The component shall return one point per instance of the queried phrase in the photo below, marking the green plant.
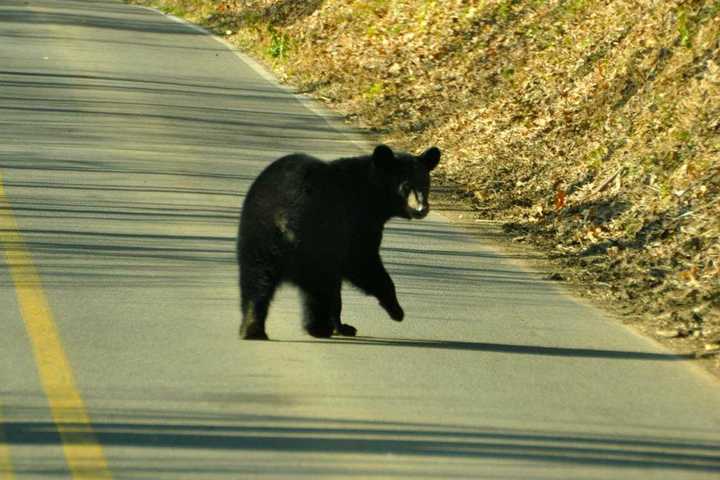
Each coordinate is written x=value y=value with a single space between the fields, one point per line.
x=374 y=90
x=596 y=157
x=575 y=6
x=504 y=10
x=683 y=28
x=279 y=44
x=507 y=73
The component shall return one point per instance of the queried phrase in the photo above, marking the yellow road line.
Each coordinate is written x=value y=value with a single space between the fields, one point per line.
x=6 y=470
x=84 y=455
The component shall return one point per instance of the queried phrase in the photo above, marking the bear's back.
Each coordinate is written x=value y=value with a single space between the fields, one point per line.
x=304 y=186
x=304 y=213
x=286 y=174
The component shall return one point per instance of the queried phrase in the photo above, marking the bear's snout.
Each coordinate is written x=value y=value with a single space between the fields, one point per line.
x=417 y=205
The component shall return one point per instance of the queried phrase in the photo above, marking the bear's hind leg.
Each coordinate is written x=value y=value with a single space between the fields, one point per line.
x=254 y=314
x=256 y=292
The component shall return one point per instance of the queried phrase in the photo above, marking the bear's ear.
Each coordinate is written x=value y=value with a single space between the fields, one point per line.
x=383 y=156
x=431 y=157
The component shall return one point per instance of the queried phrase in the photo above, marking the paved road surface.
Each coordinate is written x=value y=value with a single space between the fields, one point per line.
x=127 y=141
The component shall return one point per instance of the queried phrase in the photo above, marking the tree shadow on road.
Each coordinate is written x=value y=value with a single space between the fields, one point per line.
x=103 y=14
x=400 y=445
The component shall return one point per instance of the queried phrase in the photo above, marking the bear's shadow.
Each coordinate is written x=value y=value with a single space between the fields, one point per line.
x=498 y=348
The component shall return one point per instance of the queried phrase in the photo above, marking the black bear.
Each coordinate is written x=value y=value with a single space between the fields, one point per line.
x=315 y=224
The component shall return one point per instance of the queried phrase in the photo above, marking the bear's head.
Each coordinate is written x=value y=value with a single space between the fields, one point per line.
x=405 y=179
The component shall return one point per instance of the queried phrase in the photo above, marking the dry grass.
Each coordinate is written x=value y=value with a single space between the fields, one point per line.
x=592 y=127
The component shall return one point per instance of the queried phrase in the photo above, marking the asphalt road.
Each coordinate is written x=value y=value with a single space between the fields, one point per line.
x=127 y=141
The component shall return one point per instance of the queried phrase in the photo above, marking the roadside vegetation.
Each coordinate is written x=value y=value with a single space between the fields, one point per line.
x=591 y=128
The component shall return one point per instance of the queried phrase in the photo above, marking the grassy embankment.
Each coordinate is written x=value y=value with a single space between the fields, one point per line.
x=591 y=127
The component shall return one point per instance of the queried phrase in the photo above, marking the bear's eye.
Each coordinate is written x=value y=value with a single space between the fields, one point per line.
x=404 y=189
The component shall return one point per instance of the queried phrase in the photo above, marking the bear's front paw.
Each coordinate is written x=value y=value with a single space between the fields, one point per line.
x=396 y=312
x=345 y=330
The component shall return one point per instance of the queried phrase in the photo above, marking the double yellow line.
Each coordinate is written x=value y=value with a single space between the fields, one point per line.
x=83 y=452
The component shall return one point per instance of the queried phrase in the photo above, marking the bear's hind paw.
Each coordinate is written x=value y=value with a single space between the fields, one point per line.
x=252 y=332
x=345 y=330
x=319 y=330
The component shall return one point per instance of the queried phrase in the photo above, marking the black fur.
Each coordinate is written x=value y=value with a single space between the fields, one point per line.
x=316 y=224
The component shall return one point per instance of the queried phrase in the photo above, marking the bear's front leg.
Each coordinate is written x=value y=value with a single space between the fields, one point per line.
x=388 y=300
x=372 y=278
